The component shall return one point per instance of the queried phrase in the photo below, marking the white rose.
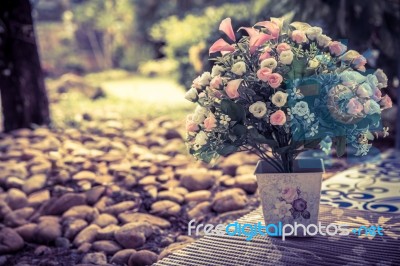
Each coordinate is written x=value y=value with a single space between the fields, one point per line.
x=313 y=32
x=364 y=90
x=201 y=138
x=258 y=109
x=200 y=114
x=323 y=40
x=239 y=68
x=301 y=108
x=217 y=70
x=269 y=63
x=191 y=95
x=279 y=98
x=382 y=78
x=314 y=63
x=286 y=57
x=205 y=79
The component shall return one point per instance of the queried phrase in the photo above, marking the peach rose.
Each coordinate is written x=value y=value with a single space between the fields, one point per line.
x=262 y=73
x=266 y=54
x=337 y=48
x=190 y=125
x=289 y=194
x=278 y=118
x=283 y=47
x=216 y=82
x=210 y=123
x=386 y=102
x=274 y=80
x=232 y=88
x=359 y=63
x=377 y=96
x=299 y=36
x=354 y=107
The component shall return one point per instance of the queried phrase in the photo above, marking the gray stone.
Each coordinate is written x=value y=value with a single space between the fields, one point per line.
x=142 y=258
x=195 y=179
x=96 y=258
x=122 y=256
x=10 y=241
x=229 y=200
x=87 y=235
x=16 y=198
x=133 y=235
x=107 y=246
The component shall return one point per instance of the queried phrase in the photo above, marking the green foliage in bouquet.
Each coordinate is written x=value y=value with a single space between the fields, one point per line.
x=280 y=90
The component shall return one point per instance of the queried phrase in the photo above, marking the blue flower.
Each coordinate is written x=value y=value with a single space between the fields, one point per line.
x=352 y=77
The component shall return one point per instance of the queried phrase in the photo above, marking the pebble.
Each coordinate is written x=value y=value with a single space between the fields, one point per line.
x=65 y=202
x=107 y=233
x=142 y=258
x=10 y=241
x=120 y=207
x=87 y=235
x=16 y=198
x=107 y=246
x=34 y=183
x=229 y=200
x=165 y=208
x=104 y=220
x=246 y=182
x=48 y=230
x=96 y=258
x=73 y=227
x=133 y=235
x=122 y=256
x=195 y=179
x=144 y=218
x=200 y=195
x=81 y=212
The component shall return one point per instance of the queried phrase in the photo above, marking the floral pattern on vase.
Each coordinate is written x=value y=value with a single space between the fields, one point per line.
x=290 y=197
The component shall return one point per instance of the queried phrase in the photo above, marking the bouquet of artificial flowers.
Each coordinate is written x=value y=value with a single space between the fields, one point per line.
x=281 y=89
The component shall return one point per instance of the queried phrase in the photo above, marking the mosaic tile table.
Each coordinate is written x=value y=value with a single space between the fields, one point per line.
x=373 y=186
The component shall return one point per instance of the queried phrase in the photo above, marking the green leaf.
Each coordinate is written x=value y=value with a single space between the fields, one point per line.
x=235 y=111
x=239 y=130
x=312 y=144
x=340 y=145
x=258 y=138
x=298 y=67
x=227 y=149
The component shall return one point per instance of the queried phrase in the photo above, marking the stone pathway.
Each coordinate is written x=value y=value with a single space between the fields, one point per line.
x=109 y=193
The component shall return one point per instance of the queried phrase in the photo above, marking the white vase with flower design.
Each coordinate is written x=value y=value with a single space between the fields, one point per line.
x=291 y=198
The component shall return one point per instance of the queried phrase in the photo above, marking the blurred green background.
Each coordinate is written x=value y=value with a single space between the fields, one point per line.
x=169 y=40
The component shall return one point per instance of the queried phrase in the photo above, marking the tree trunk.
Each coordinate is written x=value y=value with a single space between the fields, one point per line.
x=23 y=93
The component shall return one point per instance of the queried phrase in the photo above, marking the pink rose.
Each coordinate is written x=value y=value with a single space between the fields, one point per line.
x=377 y=96
x=337 y=48
x=210 y=123
x=278 y=118
x=386 y=102
x=266 y=54
x=354 y=107
x=359 y=63
x=274 y=80
x=190 y=125
x=232 y=88
x=216 y=82
x=289 y=194
x=262 y=73
x=283 y=47
x=299 y=36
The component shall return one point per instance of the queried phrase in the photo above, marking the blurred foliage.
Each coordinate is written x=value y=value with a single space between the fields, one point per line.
x=365 y=25
x=186 y=40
